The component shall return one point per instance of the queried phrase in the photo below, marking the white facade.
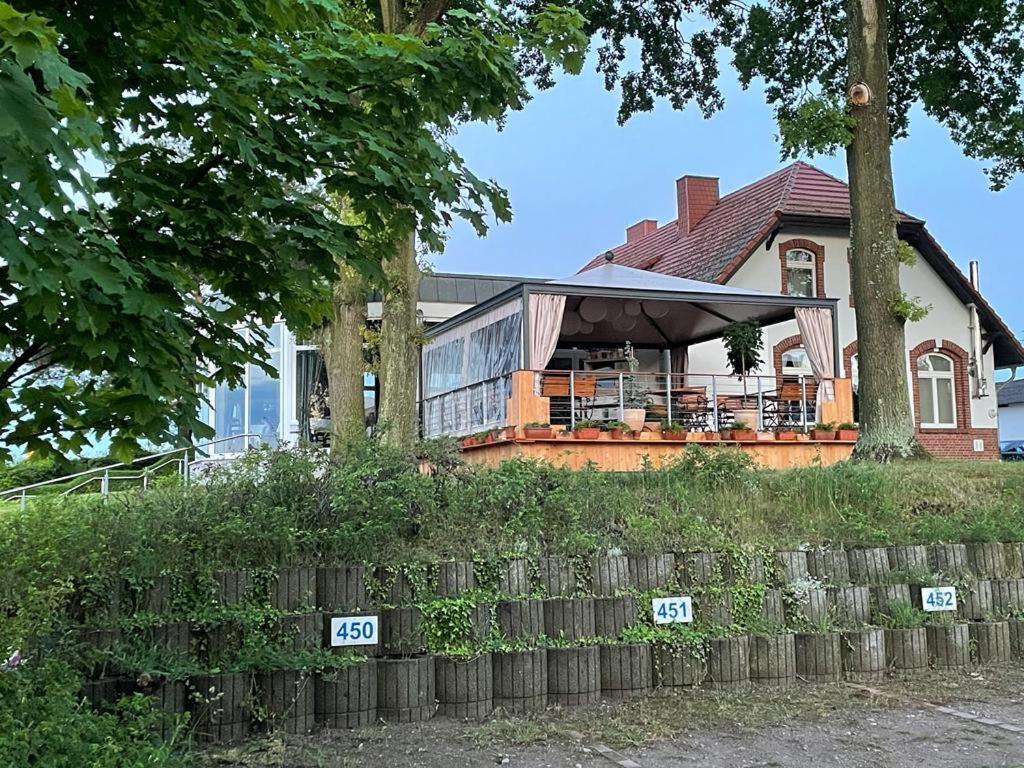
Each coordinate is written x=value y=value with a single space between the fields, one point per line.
x=949 y=319
x=1011 y=422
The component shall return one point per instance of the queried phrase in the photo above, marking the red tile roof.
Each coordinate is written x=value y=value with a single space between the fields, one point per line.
x=726 y=236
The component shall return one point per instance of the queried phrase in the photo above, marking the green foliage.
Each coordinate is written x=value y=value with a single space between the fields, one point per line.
x=817 y=126
x=744 y=343
x=909 y=309
x=905 y=253
x=900 y=614
x=44 y=723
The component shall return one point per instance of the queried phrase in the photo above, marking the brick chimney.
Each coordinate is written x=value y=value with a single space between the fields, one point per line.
x=640 y=229
x=695 y=196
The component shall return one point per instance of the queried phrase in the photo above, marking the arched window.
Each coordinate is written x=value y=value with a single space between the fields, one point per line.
x=935 y=391
x=799 y=272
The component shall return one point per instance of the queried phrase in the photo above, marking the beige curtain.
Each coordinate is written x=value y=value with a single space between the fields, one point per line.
x=546 y=311
x=815 y=326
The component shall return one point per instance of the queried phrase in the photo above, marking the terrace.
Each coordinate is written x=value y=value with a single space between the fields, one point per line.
x=609 y=346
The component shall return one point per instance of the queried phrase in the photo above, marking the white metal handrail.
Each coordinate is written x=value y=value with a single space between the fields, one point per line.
x=103 y=477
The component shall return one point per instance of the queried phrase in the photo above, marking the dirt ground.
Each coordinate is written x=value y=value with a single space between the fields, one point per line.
x=819 y=726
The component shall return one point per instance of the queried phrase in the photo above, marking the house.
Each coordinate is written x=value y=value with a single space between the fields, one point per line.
x=1010 y=395
x=789 y=233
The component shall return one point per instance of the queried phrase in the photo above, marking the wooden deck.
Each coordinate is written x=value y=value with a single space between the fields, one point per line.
x=630 y=455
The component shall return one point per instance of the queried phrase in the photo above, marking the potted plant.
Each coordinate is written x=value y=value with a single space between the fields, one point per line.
x=469 y=441
x=785 y=434
x=485 y=437
x=847 y=431
x=537 y=430
x=618 y=430
x=670 y=430
x=744 y=344
x=635 y=398
x=508 y=433
x=742 y=432
x=824 y=430
x=585 y=429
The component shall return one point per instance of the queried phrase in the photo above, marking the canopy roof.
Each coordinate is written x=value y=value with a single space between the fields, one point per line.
x=649 y=309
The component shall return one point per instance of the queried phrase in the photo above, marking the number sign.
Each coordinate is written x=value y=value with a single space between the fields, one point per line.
x=938 y=598
x=353 y=630
x=672 y=610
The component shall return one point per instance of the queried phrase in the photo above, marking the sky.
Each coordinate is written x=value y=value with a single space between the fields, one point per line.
x=577 y=179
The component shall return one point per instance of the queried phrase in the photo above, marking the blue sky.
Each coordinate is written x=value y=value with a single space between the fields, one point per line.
x=577 y=179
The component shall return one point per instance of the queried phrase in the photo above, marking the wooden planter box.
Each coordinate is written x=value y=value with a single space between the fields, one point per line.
x=402 y=589
x=1008 y=596
x=626 y=670
x=288 y=699
x=465 y=687
x=906 y=650
x=612 y=615
x=819 y=657
x=341 y=588
x=520 y=619
x=990 y=642
x=884 y=597
x=791 y=566
x=557 y=576
x=154 y=597
x=171 y=699
x=573 y=676
x=869 y=565
x=293 y=589
x=609 y=575
x=347 y=698
x=455 y=578
x=829 y=566
x=949 y=646
x=812 y=606
x=713 y=608
x=301 y=632
x=107 y=690
x=214 y=641
x=729 y=662
x=948 y=559
x=221 y=707
x=908 y=558
x=678 y=666
x=399 y=632
x=987 y=559
x=571 y=618
x=1014 y=558
x=647 y=572
x=851 y=606
x=233 y=587
x=698 y=568
x=773 y=607
x=773 y=660
x=520 y=680
x=1016 y=639
x=975 y=602
x=514 y=578
x=864 y=654
x=405 y=689
x=537 y=433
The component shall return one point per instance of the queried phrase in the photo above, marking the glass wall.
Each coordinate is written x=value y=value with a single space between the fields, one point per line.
x=255 y=407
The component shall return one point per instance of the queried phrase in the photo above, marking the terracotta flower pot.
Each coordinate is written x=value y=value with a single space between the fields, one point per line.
x=694 y=437
x=712 y=437
x=468 y=441
x=509 y=433
x=489 y=438
x=725 y=434
x=786 y=435
x=587 y=433
x=847 y=434
x=617 y=433
x=823 y=434
x=766 y=437
x=537 y=433
x=744 y=435
x=673 y=435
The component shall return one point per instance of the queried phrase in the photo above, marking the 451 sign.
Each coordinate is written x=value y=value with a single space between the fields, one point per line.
x=672 y=610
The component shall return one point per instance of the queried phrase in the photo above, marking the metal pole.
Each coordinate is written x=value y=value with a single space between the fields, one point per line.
x=622 y=399
x=714 y=401
x=572 y=399
x=760 y=407
x=24 y=500
x=668 y=396
x=145 y=479
x=105 y=484
x=803 y=401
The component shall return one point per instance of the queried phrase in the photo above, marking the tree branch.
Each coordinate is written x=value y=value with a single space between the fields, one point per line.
x=19 y=360
x=430 y=11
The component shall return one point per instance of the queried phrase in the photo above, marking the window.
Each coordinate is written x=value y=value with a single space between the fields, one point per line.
x=935 y=391
x=800 y=273
x=796 y=362
x=253 y=408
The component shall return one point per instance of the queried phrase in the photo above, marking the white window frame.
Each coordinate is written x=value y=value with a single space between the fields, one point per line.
x=932 y=376
x=810 y=265
x=784 y=370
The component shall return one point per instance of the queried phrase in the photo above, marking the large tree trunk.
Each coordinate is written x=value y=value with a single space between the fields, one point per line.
x=399 y=333
x=343 y=357
x=886 y=423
